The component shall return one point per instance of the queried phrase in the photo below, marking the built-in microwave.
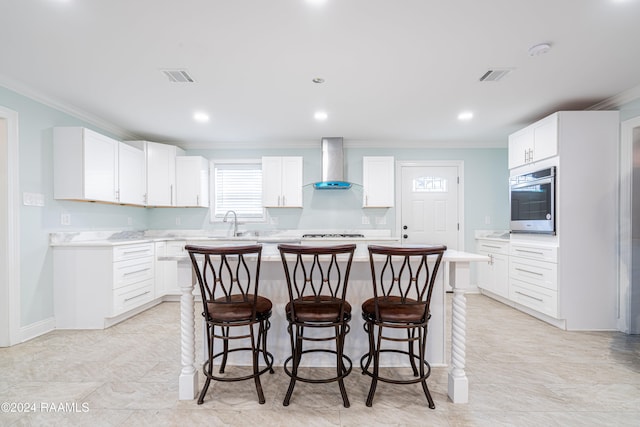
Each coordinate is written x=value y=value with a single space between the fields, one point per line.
x=532 y=199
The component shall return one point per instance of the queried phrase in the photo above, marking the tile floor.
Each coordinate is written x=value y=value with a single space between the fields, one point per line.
x=522 y=372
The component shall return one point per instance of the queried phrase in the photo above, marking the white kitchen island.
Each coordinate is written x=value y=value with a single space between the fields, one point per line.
x=273 y=286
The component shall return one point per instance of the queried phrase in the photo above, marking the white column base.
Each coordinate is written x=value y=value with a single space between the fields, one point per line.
x=188 y=386
x=458 y=389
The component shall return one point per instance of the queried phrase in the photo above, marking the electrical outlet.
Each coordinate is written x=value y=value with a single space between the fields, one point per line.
x=129 y=220
x=65 y=219
x=487 y=220
x=365 y=220
x=381 y=220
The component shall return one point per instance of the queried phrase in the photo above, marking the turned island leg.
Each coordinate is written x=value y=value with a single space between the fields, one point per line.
x=458 y=388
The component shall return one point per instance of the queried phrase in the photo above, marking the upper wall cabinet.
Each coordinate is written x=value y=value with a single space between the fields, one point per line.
x=377 y=181
x=282 y=182
x=192 y=181
x=535 y=142
x=85 y=165
x=131 y=175
x=161 y=172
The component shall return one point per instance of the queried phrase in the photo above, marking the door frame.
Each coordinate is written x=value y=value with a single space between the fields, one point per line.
x=431 y=163
x=10 y=232
x=625 y=223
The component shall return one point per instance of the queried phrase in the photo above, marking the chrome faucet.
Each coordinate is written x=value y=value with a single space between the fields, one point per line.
x=235 y=221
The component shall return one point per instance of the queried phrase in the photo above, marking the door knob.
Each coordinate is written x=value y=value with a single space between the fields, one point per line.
x=405 y=236
x=404 y=227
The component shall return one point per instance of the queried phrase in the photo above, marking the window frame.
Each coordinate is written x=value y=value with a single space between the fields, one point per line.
x=212 y=185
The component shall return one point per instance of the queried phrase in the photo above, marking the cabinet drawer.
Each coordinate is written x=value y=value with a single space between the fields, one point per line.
x=124 y=252
x=539 y=299
x=539 y=273
x=132 y=296
x=176 y=248
x=492 y=247
x=539 y=252
x=132 y=271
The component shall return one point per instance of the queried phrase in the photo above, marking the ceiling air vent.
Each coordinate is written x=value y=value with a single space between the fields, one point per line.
x=495 y=74
x=178 y=76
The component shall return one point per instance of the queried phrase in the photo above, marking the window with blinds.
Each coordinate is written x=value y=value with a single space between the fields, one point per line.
x=237 y=186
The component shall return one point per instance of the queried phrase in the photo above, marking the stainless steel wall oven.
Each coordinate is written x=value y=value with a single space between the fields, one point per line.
x=532 y=199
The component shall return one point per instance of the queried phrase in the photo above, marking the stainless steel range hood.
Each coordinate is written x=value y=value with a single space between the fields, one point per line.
x=332 y=166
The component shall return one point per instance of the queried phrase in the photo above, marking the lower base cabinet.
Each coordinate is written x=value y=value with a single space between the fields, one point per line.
x=95 y=287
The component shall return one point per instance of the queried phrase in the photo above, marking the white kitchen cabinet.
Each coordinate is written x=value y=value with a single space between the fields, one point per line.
x=192 y=181
x=536 y=142
x=581 y=293
x=89 y=166
x=493 y=276
x=378 y=181
x=98 y=286
x=161 y=173
x=131 y=175
x=533 y=277
x=167 y=269
x=85 y=165
x=282 y=182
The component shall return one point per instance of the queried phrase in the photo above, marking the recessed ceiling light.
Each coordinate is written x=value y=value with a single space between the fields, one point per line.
x=539 y=49
x=465 y=115
x=201 y=117
x=316 y=2
x=318 y=80
x=320 y=116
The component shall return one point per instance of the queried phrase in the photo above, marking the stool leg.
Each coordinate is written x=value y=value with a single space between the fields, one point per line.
x=208 y=366
x=264 y=328
x=255 y=353
x=225 y=348
x=411 y=335
x=422 y=343
x=368 y=328
x=296 y=352
x=376 y=365
x=340 y=363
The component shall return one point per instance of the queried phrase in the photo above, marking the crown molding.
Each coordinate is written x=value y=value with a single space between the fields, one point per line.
x=617 y=101
x=37 y=96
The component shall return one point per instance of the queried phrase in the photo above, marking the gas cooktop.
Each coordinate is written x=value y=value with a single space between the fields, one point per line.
x=332 y=235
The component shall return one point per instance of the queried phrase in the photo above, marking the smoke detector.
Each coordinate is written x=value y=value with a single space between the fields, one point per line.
x=539 y=49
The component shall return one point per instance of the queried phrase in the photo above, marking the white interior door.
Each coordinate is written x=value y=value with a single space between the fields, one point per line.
x=430 y=205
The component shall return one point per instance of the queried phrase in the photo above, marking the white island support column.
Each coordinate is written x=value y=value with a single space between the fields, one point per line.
x=458 y=388
x=188 y=381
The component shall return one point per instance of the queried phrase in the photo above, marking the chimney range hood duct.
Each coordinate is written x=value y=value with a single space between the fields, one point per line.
x=332 y=166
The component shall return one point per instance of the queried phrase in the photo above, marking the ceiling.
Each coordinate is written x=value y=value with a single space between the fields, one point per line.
x=394 y=71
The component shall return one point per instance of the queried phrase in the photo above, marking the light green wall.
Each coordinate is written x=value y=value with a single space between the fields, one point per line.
x=35 y=123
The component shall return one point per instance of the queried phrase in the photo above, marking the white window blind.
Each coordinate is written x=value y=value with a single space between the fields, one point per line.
x=238 y=187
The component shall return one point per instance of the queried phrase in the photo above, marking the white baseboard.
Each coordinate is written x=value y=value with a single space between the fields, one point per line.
x=36 y=329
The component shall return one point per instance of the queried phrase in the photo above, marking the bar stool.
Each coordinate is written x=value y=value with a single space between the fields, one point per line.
x=228 y=278
x=317 y=279
x=403 y=280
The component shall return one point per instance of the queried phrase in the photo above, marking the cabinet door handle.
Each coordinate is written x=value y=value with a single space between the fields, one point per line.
x=284 y=203
x=197 y=200
x=171 y=191
x=529 y=271
x=529 y=296
x=136 y=296
x=490 y=259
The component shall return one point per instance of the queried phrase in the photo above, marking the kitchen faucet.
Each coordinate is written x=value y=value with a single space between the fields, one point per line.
x=235 y=222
